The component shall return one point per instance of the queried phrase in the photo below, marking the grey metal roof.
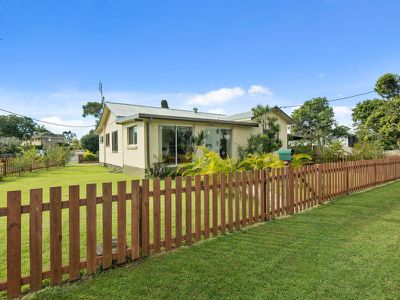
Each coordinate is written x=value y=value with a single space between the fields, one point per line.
x=127 y=112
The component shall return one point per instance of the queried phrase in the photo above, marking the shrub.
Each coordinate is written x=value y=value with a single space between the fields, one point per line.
x=9 y=145
x=57 y=155
x=367 y=150
x=207 y=162
x=89 y=156
x=335 y=152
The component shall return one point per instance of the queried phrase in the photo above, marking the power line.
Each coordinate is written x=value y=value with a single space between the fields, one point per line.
x=333 y=100
x=46 y=122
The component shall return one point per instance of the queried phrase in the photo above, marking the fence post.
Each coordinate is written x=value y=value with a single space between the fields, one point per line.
x=375 y=172
x=290 y=195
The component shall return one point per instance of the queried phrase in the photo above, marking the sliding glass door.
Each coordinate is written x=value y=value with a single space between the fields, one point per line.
x=174 y=143
x=219 y=140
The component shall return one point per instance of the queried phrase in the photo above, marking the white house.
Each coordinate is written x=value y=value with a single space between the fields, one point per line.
x=134 y=137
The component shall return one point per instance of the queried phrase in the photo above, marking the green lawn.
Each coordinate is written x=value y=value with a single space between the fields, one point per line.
x=347 y=249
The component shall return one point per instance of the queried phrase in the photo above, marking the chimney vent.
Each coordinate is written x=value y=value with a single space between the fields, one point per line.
x=195 y=110
x=164 y=103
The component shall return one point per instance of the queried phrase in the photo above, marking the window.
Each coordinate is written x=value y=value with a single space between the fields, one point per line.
x=132 y=135
x=114 y=141
x=101 y=139
x=219 y=140
x=174 y=143
x=107 y=140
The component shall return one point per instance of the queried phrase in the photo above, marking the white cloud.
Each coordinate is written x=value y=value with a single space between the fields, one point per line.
x=341 y=110
x=260 y=90
x=217 y=111
x=220 y=96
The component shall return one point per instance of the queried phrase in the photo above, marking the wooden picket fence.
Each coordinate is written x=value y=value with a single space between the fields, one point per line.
x=222 y=203
x=7 y=167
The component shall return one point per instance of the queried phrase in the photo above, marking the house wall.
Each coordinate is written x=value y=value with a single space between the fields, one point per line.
x=106 y=155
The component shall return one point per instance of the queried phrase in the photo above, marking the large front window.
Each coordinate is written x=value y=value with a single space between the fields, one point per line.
x=219 y=140
x=174 y=143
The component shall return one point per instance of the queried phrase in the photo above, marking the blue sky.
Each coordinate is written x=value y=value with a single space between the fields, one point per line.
x=221 y=56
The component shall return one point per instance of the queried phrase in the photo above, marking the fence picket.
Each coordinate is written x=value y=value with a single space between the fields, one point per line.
x=121 y=225
x=230 y=202
x=215 y=204
x=145 y=234
x=222 y=199
x=237 y=201
x=188 y=220
x=244 y=198
x=156 y=215
x=135 y=219
x=178 y=211
x=74 y=234
x=35 y=239
x=107 y=225
x=55 y=236
x=250 y=193
x=197 y=212
x=167 y=214
x=206 y=206
x=91 y=257
x=14 y=244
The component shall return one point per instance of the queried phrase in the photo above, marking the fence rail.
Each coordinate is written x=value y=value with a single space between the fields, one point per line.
x=7 y=167
x=171 y=214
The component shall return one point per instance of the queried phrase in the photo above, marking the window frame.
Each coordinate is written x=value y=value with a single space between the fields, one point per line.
x=114 y=141
x=107 y=139
x=135 y=135
x=176 y=139
x=101 y=139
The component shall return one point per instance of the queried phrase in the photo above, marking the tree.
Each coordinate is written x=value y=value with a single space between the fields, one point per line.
x=260 y=115
x=41 y=128
x=378 y=120
x=266 y=142
x=388 y=86
x=93 y=108
x=15 y=126
x=69 y=136
x=90 y=142
x=9 y=145
x=315 y=120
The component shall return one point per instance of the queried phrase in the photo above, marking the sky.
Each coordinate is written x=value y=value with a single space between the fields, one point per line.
x=219 y=56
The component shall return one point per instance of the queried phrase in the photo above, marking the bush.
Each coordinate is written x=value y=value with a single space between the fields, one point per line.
x=335 y=152
x=367 y=150
x=89 y=156
x=58 y=156
x=9 y=145
x=207 y=162
x=90 y=142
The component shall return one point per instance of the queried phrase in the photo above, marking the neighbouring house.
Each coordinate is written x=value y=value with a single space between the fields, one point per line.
x=135 y=137
x=47 y=139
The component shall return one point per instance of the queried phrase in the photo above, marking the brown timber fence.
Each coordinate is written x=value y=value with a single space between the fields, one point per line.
x=7 y=167
x=168 y=215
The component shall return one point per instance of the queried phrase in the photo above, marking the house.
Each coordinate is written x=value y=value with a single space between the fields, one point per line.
x=47 y=139
x=135 y=137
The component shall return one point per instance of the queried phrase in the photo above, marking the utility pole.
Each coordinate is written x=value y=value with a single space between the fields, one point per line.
x=101 y=92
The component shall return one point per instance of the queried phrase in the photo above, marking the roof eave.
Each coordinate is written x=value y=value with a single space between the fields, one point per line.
x=201 y=120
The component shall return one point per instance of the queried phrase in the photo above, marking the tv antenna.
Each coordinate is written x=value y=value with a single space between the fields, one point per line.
x=101 y=92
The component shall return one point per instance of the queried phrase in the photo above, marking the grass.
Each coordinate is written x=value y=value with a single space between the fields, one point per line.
x=346 y=249
x=59 y=176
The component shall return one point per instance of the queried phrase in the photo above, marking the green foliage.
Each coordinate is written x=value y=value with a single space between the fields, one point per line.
x=379 y=120
x=14 y=126
x=208 y=162
x=388 y=86
x=89 y=156
x=92 y=108
x=369 y=150
x=58 y=155
x=334 y=151
x=266 y=142
x=90 y=142
x=9 y=145
x=315 y=120
x=69 y=136
x=271 y=160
